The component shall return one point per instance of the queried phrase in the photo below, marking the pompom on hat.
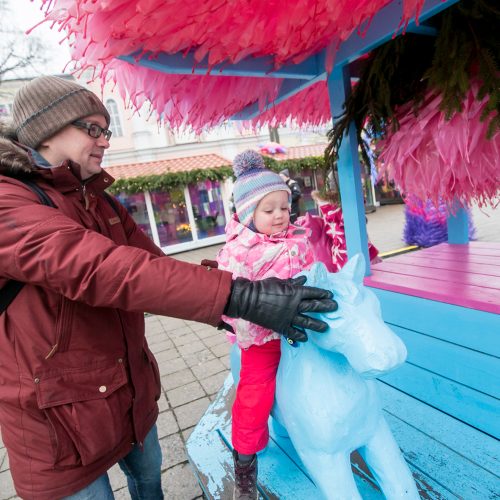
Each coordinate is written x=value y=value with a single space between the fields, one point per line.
x=47 y=104
x=253 y=182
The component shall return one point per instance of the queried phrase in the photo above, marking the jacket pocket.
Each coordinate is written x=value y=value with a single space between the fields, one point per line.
x=63 y=327
x=87 y=410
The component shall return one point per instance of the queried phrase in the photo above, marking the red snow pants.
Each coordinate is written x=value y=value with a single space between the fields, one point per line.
x=255 y=397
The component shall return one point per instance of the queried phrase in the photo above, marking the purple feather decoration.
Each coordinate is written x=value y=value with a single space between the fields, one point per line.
x=426 y=225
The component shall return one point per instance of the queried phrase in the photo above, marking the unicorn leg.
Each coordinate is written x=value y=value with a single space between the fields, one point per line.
x=385 y=460
x=331 y=474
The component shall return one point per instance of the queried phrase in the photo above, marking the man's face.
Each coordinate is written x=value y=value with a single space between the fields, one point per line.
x=75 y=144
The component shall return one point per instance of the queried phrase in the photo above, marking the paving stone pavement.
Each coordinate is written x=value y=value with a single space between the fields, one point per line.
x=194 y=360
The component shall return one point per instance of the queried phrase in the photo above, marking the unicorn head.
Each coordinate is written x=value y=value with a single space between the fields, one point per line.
x=356 y=329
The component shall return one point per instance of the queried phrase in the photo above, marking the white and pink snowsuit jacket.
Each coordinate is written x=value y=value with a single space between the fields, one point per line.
x=256 y=256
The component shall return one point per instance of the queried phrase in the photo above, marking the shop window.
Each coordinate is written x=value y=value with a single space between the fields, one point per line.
x=115 y=125
x=136 y=207
x=171 y=216
x=208 y=209
x=305 y=178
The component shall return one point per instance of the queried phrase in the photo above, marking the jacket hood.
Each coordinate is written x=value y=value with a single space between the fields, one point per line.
x=15 y=161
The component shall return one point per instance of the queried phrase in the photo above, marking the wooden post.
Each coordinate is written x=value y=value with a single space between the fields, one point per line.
x=458 y=226
x=349 y=170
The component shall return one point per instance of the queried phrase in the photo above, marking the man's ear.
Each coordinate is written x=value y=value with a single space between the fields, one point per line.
x=45 y=144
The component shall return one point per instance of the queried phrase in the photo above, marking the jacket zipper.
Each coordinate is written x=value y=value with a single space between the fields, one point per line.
x=85 y=198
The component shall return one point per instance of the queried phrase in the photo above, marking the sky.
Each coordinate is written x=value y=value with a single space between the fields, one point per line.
x=24 y=14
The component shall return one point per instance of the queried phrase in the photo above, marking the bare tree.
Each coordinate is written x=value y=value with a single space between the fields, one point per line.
x=19 y=53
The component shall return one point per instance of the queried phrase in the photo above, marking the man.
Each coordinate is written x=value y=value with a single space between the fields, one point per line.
x=79 y=384
x=296 y=194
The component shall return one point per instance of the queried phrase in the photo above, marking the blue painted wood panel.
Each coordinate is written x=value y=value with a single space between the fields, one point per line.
x=474 y=369
x=472 y=407
x=449 y=459
x=185 y=64
x=349 y=171
x=477 y=330
x=458 y=227
x=466 y=441
x=425 y=438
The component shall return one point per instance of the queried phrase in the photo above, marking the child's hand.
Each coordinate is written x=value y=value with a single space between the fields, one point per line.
x=279 y=305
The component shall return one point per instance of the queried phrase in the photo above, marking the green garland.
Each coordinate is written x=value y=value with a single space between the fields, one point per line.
x=295 y=165
x=406 y=68
x=173 y=180
x=169 y=180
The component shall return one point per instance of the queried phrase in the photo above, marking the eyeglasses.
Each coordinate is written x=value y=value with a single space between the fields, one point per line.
x=94 y=130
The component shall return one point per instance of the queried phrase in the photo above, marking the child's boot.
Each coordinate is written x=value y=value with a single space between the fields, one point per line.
x=245 y=478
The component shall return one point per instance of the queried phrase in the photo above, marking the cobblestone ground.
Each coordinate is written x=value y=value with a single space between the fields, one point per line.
x=194 y=360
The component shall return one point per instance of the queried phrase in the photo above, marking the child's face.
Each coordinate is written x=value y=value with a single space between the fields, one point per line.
x=272 y=214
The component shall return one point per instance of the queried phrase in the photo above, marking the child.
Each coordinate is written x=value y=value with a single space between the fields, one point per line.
x=260 y=243
x=327 y=239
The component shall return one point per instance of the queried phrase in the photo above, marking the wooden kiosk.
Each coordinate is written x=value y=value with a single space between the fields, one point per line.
x=444 y=302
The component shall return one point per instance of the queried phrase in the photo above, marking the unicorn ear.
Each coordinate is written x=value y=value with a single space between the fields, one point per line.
x=317 y=275
x=355 y=268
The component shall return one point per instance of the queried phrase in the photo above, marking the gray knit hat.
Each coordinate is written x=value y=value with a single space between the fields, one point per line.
x=253 y=182
x=47 y=104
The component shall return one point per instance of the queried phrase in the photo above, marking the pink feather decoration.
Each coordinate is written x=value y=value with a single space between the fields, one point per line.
x=431 y=157
x=310 y=107
x=191 y=101
x=225 y=31
x=182 y=100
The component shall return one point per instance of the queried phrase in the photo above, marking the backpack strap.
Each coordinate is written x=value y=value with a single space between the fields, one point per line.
x=42 y=195
x=10 y=290
x=8 y=293
x=112 y=202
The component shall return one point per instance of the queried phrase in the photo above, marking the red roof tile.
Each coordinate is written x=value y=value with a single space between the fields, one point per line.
x=296 y=152
x=188 y=163
x=159 y=167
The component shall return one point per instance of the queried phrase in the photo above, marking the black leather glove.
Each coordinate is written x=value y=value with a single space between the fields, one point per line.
x=278 y=304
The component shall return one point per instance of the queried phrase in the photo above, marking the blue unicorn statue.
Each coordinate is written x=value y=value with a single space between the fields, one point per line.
x=326 y=397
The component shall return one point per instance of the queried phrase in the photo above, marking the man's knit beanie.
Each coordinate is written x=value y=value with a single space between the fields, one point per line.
x=253 y=182
x=45 y=105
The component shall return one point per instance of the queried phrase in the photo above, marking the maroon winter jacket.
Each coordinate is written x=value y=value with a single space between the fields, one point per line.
x=78 y=384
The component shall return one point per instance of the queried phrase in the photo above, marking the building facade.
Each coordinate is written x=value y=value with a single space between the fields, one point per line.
x=190 y=214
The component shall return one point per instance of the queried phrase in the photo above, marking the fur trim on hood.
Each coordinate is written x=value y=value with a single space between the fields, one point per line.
x=14 y=160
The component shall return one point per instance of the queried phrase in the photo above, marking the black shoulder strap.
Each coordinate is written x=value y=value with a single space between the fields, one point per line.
x=112 y=202
x=8 y=293
x=10 y=290
x=42 y=195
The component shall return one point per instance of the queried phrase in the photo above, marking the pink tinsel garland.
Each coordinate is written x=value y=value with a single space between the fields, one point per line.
x=431 y=157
